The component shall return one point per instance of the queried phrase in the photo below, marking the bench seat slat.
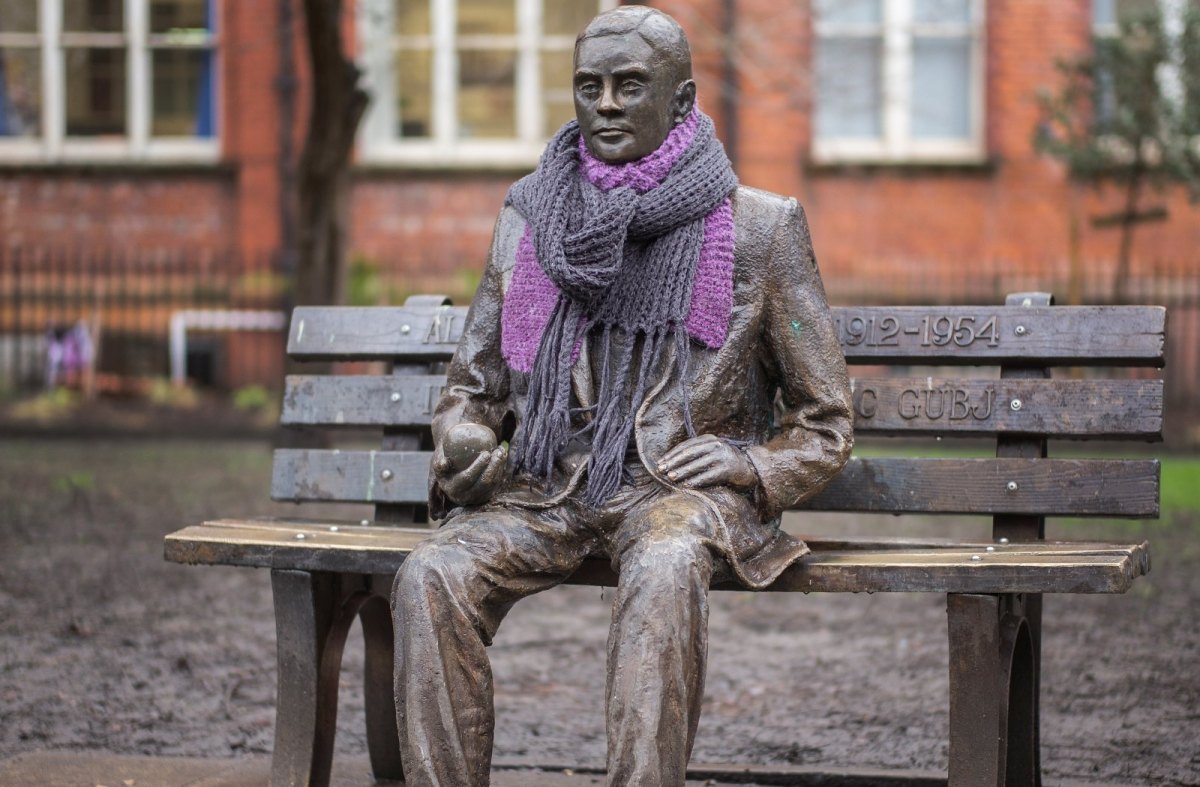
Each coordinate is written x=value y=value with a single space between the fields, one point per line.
x=882 y=405
x=835 y=565
x=1051 y=487
x=1057 y=335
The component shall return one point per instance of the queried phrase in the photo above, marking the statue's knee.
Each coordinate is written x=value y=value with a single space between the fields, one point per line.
x=432 y=568
x=681 y=516
x=667 y=559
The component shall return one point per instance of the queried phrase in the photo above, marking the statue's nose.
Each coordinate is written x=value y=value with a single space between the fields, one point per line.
x=608 y=101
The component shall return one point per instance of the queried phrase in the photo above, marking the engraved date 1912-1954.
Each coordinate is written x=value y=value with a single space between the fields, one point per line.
x=930 y=330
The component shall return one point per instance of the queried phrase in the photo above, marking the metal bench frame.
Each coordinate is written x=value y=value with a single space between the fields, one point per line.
x=324 y=574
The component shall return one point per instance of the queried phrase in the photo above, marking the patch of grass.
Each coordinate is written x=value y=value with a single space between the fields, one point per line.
x=1180 y=484
x=74 y=483
x=47 y=406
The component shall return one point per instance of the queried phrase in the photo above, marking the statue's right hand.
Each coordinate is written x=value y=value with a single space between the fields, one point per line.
x=476 y=483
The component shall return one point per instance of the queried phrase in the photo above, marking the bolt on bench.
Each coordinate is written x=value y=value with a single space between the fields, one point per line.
x=325 y=573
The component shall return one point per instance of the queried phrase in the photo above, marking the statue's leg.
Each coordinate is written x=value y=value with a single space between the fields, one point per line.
x=658 y=641
x=448 y=600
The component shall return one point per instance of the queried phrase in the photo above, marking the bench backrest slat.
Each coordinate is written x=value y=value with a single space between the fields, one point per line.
x=1034 y=335
x=400 y=333
x=882 y=405
x=1075 y=487
x=1050 y=487
x=970 y=407
x=361 y=400
x=951 y=335
x=1021 y=409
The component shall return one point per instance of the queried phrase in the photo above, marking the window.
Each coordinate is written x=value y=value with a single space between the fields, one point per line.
x=470 y=82
x=898 y=80
x=1107 y=19
x=107 y=79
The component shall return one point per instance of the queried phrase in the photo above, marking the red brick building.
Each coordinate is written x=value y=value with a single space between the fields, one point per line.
x=904 y=126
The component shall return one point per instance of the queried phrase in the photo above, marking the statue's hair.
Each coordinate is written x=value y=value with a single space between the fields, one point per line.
x=653 y=26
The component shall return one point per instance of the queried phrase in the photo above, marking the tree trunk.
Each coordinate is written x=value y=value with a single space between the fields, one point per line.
x=338 y=104
x=1074 y=246
x=1129 y=221
x=321 y=194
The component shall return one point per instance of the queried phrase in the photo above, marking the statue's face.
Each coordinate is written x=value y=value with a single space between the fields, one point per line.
x=625 y=95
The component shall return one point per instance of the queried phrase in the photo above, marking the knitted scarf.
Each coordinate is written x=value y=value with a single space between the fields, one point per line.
x=635 y=256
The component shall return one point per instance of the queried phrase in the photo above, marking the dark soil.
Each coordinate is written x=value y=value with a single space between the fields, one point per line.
x=105 y=646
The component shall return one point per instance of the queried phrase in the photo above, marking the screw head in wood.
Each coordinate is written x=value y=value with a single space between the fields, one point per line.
x=1003 y=540
x=395 y=397
x=976 y=557
x=333 y=528
x=1015 y=404
x=365 y=522
x=406 y=329
x=991 y=549
x=386 y=475
x=1020 y=330
x=1011 y=486
x=300 y=536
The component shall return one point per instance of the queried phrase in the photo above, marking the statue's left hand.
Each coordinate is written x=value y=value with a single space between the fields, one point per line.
x=707 y=460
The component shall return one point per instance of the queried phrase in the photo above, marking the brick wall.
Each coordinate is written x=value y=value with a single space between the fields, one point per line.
x=1014 y=213
x=76 y=208
x=433 y=228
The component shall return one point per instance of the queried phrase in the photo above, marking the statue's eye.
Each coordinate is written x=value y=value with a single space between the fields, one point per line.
x=632 y=88
x=588 y=89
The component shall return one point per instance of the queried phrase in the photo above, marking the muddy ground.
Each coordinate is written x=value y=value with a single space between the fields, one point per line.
x=104 y=646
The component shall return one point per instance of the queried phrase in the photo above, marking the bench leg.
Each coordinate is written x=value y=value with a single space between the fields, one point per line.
x=993 y=692
x=383 y=740
x=309 y=633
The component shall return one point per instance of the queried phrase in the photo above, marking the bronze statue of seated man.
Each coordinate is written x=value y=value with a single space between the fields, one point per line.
x=649 y=372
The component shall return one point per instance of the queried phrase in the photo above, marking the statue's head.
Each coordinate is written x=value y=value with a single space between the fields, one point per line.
x=632 y=83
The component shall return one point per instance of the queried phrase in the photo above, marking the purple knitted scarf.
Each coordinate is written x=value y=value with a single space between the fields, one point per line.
x=635 y=255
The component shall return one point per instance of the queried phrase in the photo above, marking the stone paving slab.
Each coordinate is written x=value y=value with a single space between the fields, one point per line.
x=87 y=769
x=82 y=769
x=98 y=769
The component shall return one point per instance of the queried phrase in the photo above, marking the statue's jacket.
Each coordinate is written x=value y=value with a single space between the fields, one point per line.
x=778 y=384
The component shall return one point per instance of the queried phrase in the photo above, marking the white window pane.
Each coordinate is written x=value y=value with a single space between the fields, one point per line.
x=172 y=16
x=1135 y=9
x=558 y=101
x=849 y=91
x=942 y=11
x=182 y=93
x=941 y=88
x=93 y=16
x=413 y=18
x=849 y=11
x=486 y=94
x=18 y=16
x=567 y=17
x=1104 y=12
x=20 y=92
x=95 y=91
x=414 y=93
x=487 y=17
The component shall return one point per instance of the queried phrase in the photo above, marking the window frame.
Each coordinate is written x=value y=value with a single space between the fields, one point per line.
x=377 y=140
x=895 y=144
x=137 y=144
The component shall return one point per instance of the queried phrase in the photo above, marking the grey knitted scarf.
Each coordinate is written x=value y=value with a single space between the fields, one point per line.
x=624 y=262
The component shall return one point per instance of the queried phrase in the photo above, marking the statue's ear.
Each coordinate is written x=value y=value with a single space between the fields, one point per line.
x=683 y=101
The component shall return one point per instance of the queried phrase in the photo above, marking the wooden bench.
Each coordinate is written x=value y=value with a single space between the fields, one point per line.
x=326 y=573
